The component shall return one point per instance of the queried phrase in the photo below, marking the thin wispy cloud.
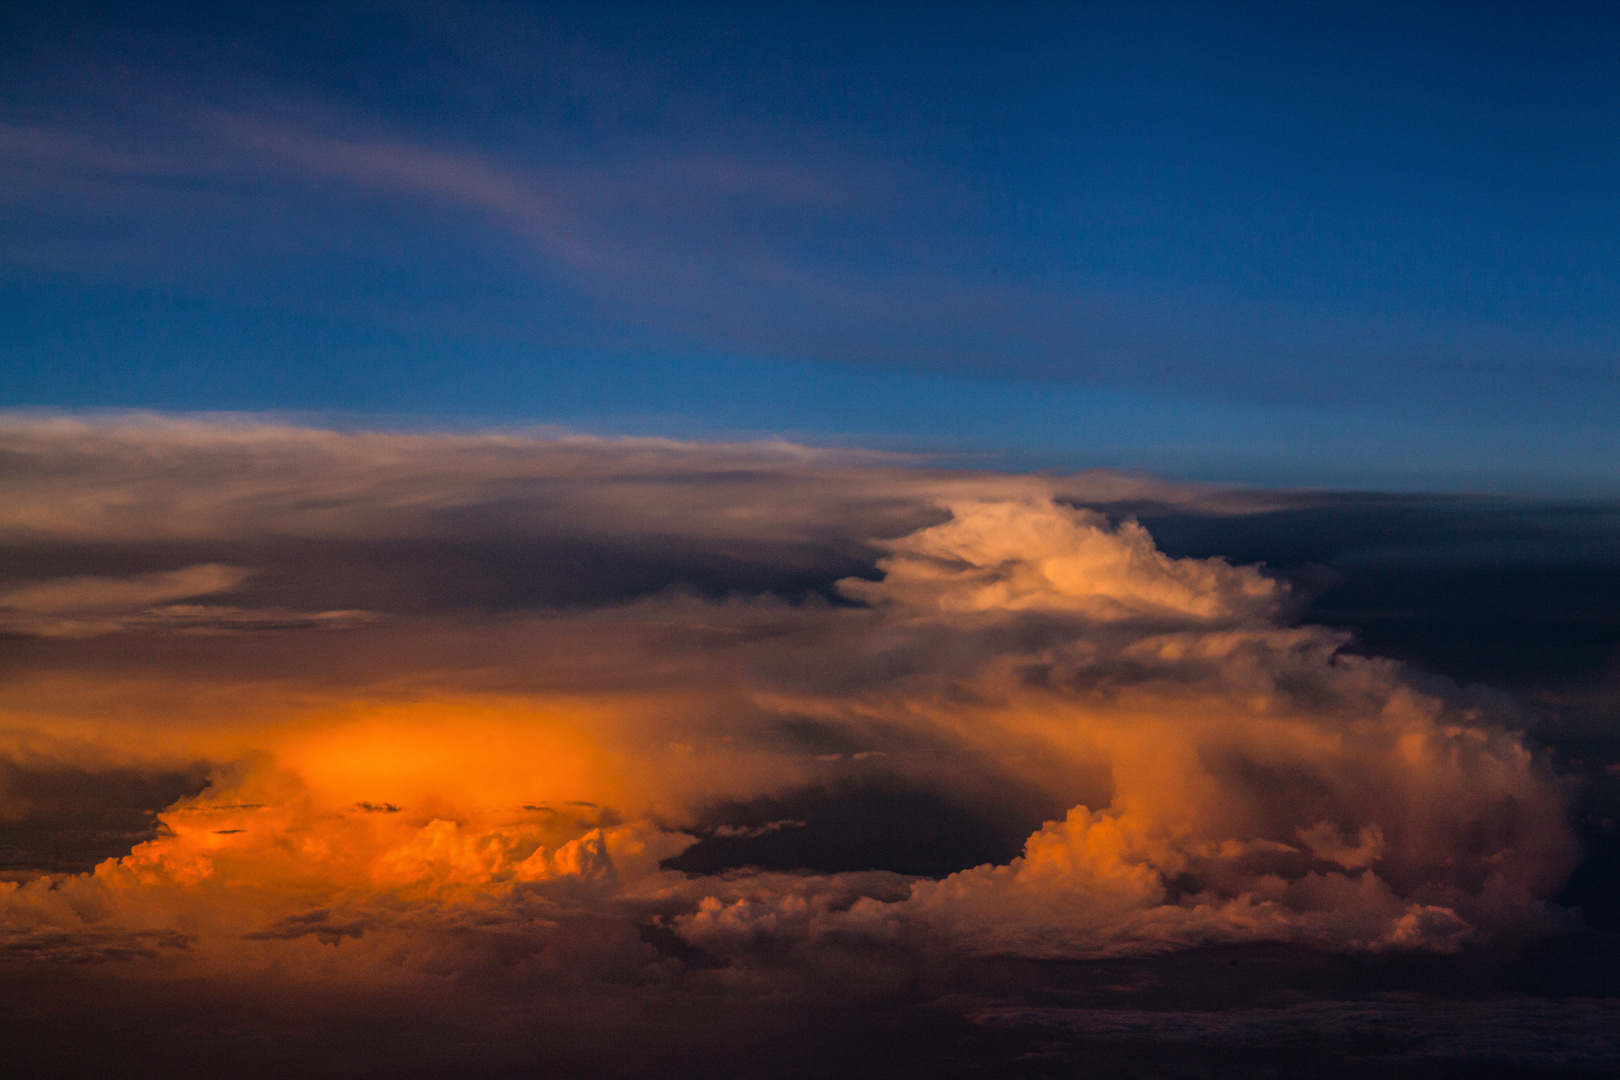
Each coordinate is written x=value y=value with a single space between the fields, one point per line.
x=87 y=606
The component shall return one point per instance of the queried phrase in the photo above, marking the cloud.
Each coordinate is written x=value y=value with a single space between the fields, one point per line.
x=87 y=606
x=1265 y=786
x=549 y=219
x=971 y=659
x=145 y=477
x=1038 y=556
x=95 y=596
x=91 y=946
x=754 y=832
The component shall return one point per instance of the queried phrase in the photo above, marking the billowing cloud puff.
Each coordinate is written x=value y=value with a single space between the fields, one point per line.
x=465 y=765
x=1264 y=786
x=1018 y=556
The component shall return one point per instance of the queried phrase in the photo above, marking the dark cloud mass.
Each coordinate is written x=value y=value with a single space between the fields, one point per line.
x=487 y=755
x=66 y=819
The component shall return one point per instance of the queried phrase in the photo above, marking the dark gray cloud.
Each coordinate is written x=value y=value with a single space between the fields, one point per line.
x=67 y=819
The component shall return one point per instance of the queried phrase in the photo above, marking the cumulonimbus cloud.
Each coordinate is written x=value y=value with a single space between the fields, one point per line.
x=492 y=780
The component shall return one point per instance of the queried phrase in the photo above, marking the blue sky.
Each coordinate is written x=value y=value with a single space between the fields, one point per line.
x=1347 y=245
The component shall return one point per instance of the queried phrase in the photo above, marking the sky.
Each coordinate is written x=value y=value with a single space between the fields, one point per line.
x=1307 y=244
x=809 y=541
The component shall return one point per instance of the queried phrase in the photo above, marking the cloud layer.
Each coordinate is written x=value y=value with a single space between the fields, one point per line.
x=477 y=692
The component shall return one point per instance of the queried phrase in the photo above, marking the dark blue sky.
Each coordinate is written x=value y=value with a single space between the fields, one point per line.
x=1302 y=243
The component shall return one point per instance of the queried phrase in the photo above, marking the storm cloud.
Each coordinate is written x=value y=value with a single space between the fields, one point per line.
x=551 y=711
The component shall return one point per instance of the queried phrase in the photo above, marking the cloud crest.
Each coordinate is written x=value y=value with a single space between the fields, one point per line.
x=1265 y=786
x=1037 y=556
